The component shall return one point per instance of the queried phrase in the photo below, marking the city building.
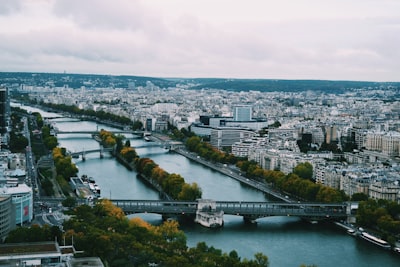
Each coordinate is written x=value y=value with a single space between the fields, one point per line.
x=242 y=113
x=3 y=109
x=384 y=189
x=241 y=149
x=22 y=199
x=48 y=253
x=7 y=216
x=225 y=137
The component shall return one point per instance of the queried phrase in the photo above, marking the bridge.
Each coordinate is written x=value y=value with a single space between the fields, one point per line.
x=82 y=153
x=250 y=211
x=96 y=132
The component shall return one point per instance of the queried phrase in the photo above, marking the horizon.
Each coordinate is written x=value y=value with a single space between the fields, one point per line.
x=196 y=78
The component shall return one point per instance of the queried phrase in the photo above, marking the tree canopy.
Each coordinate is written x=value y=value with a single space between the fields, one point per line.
x=133 y=242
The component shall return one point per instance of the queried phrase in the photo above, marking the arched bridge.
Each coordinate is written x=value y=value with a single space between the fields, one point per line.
x=82 y=153
x=249 y=210
x=96 y=132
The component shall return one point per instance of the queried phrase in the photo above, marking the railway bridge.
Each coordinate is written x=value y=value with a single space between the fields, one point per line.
x=250 y=211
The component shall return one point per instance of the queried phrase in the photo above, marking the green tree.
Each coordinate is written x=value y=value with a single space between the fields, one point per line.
x=173 y=185
x=192 y=143
x=190 y=192
x=69 y=202
x=18 y=142
x=50 y=142
x=304 y=170
x=137 y=125
x=359 y=197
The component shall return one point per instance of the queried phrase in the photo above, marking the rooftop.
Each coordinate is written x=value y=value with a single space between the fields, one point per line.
x=28 y=248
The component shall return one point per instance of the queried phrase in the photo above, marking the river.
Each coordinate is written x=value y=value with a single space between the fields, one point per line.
x=286 y=241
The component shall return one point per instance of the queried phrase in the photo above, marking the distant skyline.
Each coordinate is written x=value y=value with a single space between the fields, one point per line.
x=265 y=39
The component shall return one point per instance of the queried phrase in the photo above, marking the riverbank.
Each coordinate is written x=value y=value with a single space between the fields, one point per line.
x=235 y=174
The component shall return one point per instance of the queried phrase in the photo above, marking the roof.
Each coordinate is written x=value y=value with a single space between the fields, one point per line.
x=87 y=262
x=28 y=248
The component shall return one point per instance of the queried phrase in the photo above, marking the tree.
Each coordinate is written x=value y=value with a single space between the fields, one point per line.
x=192 y=143
x=276 y=124
x=359 y=197
x=50 y=142
x=69 y=202
x=137 y=125
x=190 y=192
x=261 y=259
x=304 y=170
x=172 y=185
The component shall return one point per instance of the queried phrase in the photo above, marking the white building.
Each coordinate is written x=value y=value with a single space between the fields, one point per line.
x=241 y=149
x=242 y=113
x=384 y=189
x=22 y=198
x=226 y=136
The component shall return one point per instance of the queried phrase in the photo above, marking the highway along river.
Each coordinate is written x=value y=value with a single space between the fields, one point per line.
x=286 y=241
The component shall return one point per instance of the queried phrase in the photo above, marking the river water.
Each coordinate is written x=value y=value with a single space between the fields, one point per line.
x=286 y=241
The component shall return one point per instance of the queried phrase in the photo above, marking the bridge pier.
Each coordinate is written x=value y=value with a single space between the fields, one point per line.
x=249 y=220
x=83 y=156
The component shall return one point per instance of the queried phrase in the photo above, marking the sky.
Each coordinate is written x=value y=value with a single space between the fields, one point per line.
x=263 y=39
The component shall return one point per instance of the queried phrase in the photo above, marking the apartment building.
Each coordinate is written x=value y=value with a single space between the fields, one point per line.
x=226 y=136
x=385 y=189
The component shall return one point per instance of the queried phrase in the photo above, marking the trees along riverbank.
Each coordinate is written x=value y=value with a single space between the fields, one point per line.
x=379 y=216
x=172 y=184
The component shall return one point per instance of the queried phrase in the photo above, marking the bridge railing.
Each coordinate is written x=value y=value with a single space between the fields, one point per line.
x=249 y=209
x=154 y=206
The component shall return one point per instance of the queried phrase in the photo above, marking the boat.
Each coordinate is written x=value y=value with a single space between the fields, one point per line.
x=97 y=189
x=375 y=240
x=210 y=219
x=352 y=232
x=207 y=215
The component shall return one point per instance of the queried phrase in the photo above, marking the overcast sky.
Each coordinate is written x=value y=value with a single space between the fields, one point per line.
x=271 y=39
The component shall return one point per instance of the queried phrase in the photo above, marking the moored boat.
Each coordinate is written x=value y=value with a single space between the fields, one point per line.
x=375 y=240
x=210 y=219
x=207 y=214
x=352 y=232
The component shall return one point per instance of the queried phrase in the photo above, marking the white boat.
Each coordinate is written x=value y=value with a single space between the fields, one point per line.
x=210 y=219
x=352 y=232
x=207 y=215
x=97 y=189
x=375 y=240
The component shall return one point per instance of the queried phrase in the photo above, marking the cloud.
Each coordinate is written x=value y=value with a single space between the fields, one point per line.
x=9 y=6
x=244 y=39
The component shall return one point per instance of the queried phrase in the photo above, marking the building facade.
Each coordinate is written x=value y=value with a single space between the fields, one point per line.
x=7 y=216
x=3 y=110
x=242 y=113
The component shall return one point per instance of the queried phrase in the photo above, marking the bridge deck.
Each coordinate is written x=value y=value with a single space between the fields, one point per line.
x=246 y=209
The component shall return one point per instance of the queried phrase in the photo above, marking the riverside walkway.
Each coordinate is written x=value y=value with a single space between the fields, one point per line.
x=249 y=210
